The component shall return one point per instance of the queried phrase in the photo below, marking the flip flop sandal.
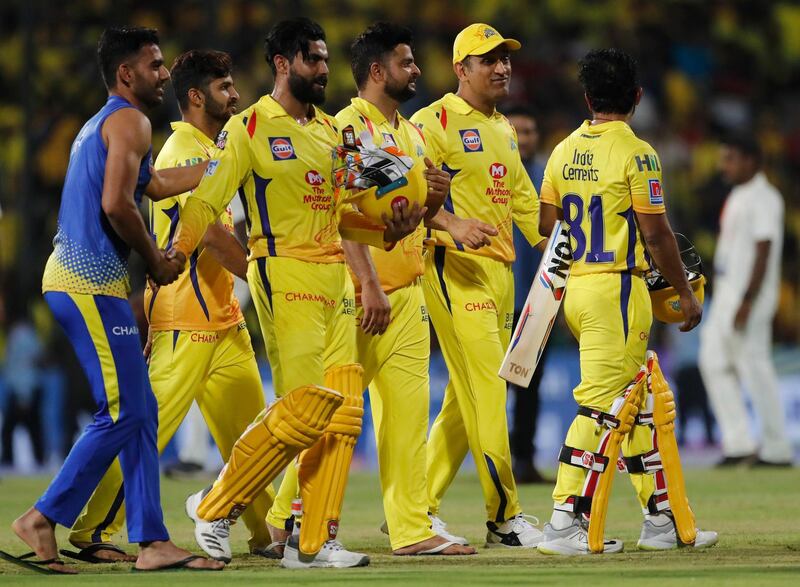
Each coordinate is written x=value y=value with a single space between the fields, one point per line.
x=87 y=554
x=40 y=566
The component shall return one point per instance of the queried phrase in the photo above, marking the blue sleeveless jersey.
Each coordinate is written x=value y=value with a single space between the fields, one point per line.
x=89 y=257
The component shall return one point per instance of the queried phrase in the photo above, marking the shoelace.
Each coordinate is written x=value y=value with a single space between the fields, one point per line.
x=221 y=528
x=521 y=522
x=334 y=545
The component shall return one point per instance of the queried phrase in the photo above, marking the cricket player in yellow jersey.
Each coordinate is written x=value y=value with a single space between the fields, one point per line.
x=470 y=294
x=393 y=340
x=606 y=183
x=200 y=348
x=278 y=154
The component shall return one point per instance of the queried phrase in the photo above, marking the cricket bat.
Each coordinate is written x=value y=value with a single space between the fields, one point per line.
x=541 y=309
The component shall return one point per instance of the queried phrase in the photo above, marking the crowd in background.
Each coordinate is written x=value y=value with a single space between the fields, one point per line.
x=707 y=68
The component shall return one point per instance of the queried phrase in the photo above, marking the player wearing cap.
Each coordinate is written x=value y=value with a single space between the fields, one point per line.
x=470 y=293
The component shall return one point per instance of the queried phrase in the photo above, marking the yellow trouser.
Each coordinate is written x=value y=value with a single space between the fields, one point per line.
x=610 y=316
x=470 y=299
x=307 y=316
x=396 y=370
x=218 y=370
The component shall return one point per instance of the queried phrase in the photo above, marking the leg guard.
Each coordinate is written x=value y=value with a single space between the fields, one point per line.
x=624 y=412
x=266 y=447
x=323 y=468
x=664 y=421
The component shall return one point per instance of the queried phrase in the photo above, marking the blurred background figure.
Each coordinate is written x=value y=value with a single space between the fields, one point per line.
x=526 y=400
x=736 y=340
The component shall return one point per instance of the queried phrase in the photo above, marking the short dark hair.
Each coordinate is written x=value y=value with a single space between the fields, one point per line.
x=519 y=110
x=290 y=36
x=373 y=45
x=745 y=143
x=196 y=69
x=610 y=80
x=118 y=44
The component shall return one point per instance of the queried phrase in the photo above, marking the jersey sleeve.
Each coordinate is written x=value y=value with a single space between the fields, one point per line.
x=227 y=170
x=433 y=134
x=525 y=205
x=643 y=171
x=550 y=193
x=766 y=218
x=178 y=152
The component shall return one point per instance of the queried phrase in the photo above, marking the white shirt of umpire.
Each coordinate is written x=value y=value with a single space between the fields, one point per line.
x=731 y=360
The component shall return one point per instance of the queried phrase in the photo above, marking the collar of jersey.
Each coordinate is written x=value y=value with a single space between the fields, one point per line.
x=596 y=129
x=273 y=109
x=459 y=105
x=371 y=111
x=181 y=126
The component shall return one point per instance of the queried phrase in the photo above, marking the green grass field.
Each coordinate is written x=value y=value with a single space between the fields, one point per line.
x=755 y=512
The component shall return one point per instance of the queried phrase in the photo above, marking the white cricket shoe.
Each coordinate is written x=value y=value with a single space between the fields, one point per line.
x=664 y=537
x=573 y=540
x=517 y=532
x=440 y=527
x=213 y=537
x=332 y=555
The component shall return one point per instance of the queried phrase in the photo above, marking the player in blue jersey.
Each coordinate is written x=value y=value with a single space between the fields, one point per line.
x=86 y=285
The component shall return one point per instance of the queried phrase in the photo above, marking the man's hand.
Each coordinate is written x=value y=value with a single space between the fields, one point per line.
x=377 y=309
x=692 y=311
x=168 y=267
x=438 y=187
x=742 y=315
x=403 y=222
x=471 y=232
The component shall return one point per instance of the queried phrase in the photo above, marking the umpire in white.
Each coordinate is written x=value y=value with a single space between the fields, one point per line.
x=736 y=339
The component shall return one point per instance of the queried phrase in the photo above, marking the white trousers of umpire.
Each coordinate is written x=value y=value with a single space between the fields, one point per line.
x=732 y=361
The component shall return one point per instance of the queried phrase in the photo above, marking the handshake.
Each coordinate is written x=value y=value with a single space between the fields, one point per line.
x=165 y=267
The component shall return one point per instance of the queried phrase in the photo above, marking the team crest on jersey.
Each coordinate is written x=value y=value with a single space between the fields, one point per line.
x=282 y=148
x=388 y=138
x=471 y=139
x=314 y=177
x=222 y=139
x=498 y=170
x=656 y=195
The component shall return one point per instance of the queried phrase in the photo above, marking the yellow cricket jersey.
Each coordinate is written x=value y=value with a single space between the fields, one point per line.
x=283 y=170
x=403 y=264
x=488 y=180
x=202 y=297
x=600 y=175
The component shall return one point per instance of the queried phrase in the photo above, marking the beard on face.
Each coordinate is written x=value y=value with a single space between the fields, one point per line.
x=305 y=90
x=220 y=111
x=147 y=93
x=397 y=90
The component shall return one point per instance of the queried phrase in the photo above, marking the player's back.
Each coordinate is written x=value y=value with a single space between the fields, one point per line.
x=601 y=175
x=89 y=257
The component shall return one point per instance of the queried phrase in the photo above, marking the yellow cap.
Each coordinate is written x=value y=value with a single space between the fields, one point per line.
x=478 y=39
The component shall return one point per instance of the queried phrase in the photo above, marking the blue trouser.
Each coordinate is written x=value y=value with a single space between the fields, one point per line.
x=103 y=333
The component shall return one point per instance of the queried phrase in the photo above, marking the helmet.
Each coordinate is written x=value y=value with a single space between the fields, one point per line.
x=664 y=297
x=377 y=178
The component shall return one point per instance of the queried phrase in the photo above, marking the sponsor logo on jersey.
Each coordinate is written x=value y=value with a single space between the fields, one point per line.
x=124 y=330
x=471 y=139
x=656 y=195
x=498 y=170
x=212 y=167
x=222 y=139
x=282 y=148
x=314 y=177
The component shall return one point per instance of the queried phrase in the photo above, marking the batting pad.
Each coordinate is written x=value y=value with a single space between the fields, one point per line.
x=626 y=417
x=323 y=468
x=664 y=421
x=274 y=438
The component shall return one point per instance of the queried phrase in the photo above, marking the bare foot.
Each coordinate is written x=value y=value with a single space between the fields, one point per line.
x=160 y=554
x=433 y=542
x=106 y=554
x=279 y=537
x=39 y=533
